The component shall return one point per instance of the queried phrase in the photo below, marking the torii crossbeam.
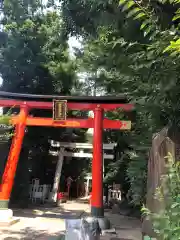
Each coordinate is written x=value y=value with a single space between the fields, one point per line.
x=27 y=102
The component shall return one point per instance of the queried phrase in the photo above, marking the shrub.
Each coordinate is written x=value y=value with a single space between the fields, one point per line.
x=166 y=223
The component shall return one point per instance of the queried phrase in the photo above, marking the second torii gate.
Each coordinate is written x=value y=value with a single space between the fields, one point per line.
x=59 y=106
x=61 y=154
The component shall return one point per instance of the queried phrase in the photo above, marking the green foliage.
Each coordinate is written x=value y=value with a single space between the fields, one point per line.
x=128 y=52
x=34 y=55
x=137 y=163
x=166 y=223
x=142 y=13
x=36 y=49
x=34 y=58
x=129 y=47
x=158 y=41
x=5 y=119
x=150 y=21
x=6 y=126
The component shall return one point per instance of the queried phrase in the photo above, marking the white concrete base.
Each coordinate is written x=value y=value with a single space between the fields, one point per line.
x=6 y=217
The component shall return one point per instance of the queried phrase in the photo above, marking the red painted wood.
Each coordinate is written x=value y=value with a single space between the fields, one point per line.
x=72 y=106
x=11 y=165
x=74 y=123
x=97 y=123
x=97 y=162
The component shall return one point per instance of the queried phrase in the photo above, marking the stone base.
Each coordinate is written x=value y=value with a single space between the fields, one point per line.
x=104 y=222
x=6 y=218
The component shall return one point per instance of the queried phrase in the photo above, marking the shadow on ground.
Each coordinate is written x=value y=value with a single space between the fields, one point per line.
x=31 y=234
x=56 y=213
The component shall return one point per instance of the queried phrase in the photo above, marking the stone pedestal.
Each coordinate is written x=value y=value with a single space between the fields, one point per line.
x=104 y=222
x=6 y=217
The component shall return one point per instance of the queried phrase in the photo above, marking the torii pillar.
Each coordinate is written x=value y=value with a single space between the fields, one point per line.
x=10 y=169
x=97 y=207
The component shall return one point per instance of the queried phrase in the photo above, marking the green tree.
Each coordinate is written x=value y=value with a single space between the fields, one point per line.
x=34 y=58
x=34 y=55
x=166 y=221
x=127 y=44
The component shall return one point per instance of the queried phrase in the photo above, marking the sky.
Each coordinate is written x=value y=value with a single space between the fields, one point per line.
x=73 y=43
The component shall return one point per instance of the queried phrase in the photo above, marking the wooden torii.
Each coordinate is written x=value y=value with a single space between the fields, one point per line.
x=59 y=106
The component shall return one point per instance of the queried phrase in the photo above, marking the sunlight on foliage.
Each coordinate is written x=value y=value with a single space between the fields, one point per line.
x=5 y=119
x=166 y=223
x=144 y=12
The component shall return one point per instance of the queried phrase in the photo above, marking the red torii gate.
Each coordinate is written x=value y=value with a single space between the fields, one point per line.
x=27 y=102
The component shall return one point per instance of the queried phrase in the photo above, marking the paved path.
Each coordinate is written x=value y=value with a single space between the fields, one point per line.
x=49 y=224
x=42 y=223
x=127 y=228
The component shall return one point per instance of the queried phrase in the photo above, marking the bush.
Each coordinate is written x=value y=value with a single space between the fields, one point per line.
x=166 y=223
